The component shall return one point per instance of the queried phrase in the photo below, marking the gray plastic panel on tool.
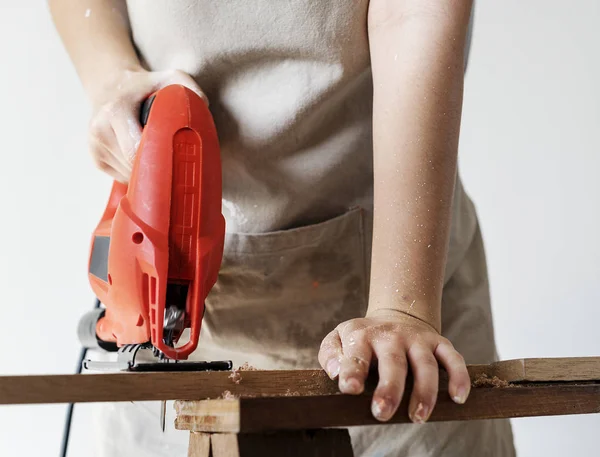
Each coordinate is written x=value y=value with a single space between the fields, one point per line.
x=99 y=260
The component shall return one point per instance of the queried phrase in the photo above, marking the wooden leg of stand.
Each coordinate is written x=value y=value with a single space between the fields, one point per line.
x=199 y=445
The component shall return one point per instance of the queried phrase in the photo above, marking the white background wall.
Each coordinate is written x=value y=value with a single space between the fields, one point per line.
x=529 y=157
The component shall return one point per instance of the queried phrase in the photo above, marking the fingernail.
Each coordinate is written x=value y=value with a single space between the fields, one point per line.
x=421 y=414
x=461 y=396
x=333 y=368
x=350 y=385
x=381 y=409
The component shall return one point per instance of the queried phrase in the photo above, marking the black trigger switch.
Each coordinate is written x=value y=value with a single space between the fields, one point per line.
x=145 y=111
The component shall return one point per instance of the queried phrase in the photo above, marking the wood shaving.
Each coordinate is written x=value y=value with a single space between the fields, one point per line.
x=235 y=376
x=247 y=367
x=227 y=395
x=484 y=380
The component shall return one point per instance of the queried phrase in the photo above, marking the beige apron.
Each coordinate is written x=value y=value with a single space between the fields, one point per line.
x=290 y=89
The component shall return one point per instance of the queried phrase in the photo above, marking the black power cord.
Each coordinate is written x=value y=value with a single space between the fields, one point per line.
x=69 y=417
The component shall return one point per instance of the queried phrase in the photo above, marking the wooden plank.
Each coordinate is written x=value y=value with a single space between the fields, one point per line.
x=211 y=416
x=198 y=386
x=562 y=369
x=225 y=445
x=111 y=387
x=199 y=445
x=541 y=370
x=252 y=415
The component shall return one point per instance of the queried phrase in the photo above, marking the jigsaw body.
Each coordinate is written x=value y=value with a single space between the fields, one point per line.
x=157 y=250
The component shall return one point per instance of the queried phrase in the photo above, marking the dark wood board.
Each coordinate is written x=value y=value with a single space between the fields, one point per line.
x=253 y=415
x=203 y=385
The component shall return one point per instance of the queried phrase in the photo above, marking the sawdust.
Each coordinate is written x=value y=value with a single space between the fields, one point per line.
x=247 y=367
x=235 y=376
x=227 y=395
x=483 y=380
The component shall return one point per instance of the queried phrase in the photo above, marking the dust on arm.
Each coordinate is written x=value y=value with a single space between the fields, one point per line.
x=417 y=52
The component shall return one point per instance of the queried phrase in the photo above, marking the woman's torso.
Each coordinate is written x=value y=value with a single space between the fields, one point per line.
x=290 y=88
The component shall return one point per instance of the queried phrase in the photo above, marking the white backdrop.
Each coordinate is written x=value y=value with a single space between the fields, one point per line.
x=529 y=158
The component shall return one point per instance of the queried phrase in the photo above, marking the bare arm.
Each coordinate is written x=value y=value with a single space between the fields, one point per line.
x=417 y=49
x=97 y=36
x=417 y=61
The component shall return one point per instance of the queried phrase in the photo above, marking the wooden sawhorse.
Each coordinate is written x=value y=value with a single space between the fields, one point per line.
x=300 y=422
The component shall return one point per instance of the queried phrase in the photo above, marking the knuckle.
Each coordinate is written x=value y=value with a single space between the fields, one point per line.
x=447 y=341
x=352 y=328
x=341 y=327
x=456 y=358
x=442 y=341
x=459 y=358
x=395 y=357
x=395 y=339
x=420 y=351
x=355 y=333
x=96 y=128
x=328 y=342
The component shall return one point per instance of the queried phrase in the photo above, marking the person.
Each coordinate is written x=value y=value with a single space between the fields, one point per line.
x=350 y=239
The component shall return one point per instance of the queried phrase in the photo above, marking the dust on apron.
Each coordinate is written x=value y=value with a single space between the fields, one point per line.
x=291 y=92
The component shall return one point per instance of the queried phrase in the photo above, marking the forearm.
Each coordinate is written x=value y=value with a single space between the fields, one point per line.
x=417 y=51
x=97 y=37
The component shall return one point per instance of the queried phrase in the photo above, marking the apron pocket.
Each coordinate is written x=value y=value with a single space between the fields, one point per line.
x=280 y=293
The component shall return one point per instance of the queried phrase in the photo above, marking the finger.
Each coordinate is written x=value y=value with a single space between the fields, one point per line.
x=330 y=354
x=459 y=385
x=425 y=370
x=357 y=353
x=106 y=168
x=392 y=366
x=107 y=162
x=128 y=134
x=104 y=144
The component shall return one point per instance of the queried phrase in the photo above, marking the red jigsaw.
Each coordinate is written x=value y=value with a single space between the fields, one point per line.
x=157 y=250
